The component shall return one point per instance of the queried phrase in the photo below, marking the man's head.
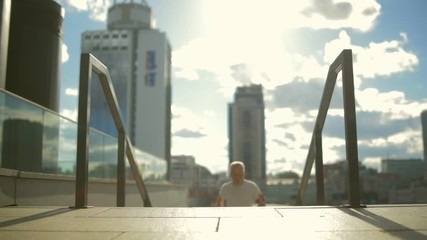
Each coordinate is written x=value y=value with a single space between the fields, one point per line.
x=237 y=172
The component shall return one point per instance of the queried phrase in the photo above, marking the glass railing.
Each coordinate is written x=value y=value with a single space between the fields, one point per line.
x=36 y=139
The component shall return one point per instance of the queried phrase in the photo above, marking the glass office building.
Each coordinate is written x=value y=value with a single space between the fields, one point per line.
x=139 y=60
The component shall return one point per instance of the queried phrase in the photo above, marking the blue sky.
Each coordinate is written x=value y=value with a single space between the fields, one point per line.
x=287 y=46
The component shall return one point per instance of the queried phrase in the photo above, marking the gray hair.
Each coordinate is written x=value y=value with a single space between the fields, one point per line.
x=235 y=163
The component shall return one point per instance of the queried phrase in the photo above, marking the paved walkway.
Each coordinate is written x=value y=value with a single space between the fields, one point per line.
x=373 y=222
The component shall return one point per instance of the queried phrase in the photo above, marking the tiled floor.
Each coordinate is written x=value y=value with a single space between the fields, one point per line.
x=373 y=222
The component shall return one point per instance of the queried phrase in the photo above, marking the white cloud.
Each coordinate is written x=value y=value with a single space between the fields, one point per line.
x=393 y=104
x=373 y=162
x=357 y=14
x=286 y=139
x=97 y=8
x=193 y=136
x=209 y=113
x=404 y=37
x=208 y=151
x=399 y=145
x=187 y=73
x=183 y=118
x=309 y=68
x=268 y=65
x=377 y=59
x=80 y=5
x=277 y=14
x=232 y=40
x=64 y=53
x=71 y=91
x=70 y=114
x=330 y=148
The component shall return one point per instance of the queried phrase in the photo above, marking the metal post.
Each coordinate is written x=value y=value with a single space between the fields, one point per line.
x=5 y=6
x=82 y=133
x=320 y=194
x=350 y=129
x=342 y=63
x=121 y=174
x=137 y=175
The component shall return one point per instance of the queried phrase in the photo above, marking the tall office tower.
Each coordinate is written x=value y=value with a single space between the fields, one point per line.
x=138 y=58
x=246 y=131
x=424 y=127
x=30 y=137
x=34 y=51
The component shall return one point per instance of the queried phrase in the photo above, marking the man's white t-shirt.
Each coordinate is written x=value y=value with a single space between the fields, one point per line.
x=244 y=194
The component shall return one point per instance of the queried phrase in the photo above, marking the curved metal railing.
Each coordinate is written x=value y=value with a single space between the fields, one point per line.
x=89 y=63
x=342 y=63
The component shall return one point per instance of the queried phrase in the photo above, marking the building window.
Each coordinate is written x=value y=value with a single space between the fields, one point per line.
x=105 y=36
x=96 y=48
x=105 y=48
x=96 y=37
x=115 y=35
x=87 y=37
x=114 y=48
x=247 y=157
x=124 y=35
x=124 y=48
x=150 y=67
x=246 y=119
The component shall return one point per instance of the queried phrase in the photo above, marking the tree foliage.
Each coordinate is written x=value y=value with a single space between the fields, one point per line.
x=287 y=174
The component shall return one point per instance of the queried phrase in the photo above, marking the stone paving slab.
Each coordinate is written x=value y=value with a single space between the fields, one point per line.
x=42 y=235
x=117 y=225
x=402 y=218
x=376 y=222
x=189 y=212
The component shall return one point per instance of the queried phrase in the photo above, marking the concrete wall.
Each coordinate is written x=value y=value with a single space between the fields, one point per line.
x=38 y=189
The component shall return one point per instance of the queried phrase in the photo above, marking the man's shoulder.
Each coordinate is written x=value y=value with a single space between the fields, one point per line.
x=249 y=182
x=227 y=184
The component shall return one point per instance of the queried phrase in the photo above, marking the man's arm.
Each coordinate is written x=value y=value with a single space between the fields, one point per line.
x=219 y=202
x=260 y=200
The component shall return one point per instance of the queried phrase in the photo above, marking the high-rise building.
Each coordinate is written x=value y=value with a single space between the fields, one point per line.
x=34 y=51
x=246 y=131
x=138 y=58
x=34 y=37
x=424 y=127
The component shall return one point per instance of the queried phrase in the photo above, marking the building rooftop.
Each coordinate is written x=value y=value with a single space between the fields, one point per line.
x=274 y=222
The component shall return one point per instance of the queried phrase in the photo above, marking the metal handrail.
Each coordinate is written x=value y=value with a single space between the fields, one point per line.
x=342 y=63
x=89 y=63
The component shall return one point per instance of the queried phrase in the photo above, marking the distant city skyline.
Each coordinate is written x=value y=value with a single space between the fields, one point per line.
x=286 y=47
